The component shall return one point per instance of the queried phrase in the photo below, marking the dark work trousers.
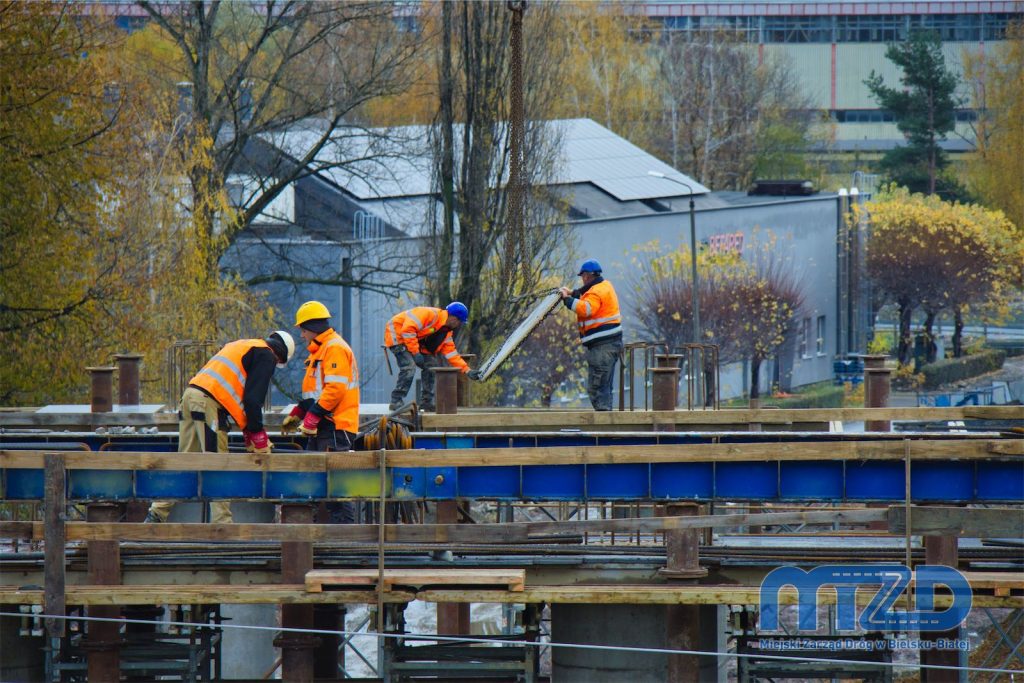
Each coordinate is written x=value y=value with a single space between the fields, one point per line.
x=406 y=374
x=601 y=360
x=330 y=439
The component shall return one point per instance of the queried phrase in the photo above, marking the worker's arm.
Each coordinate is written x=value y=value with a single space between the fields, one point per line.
x=585 y=305
x=339 y=378
x=259 y=364
x=451 y=354
x=409 y=332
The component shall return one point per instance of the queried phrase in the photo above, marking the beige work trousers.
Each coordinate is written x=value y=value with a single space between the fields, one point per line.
x=198 y=432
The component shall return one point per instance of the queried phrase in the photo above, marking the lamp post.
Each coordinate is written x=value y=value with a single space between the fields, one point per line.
x=694 y=297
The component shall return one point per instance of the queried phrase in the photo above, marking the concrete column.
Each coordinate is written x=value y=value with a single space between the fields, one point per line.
x=296 y=560
x=620 y=625
x=683 y=622
x=446 y=392
x=464 y=382
x=128 y=391
x=102 y=390
x=103 y=639
x=941 y=550
x=665 y=392
x=877 y=382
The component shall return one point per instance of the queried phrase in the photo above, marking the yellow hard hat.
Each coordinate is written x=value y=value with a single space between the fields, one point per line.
x=311 y=310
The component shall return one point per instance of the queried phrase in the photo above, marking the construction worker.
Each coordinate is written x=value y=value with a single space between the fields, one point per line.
x=231 y=386
x=416 y=338
x=597 y=313
x=329 y=410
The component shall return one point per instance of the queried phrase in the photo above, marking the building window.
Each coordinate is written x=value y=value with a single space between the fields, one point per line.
x=819 y=343
x=805 y=338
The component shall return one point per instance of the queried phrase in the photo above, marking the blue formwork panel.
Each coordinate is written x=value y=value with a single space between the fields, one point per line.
x=611 y=482
x=489 y=482
x=682 y=480
x=459 y=442
x=407 y=483
x=942 y=480
x=875 y=480
x=555 y=440
x=810 y=480
x=441 y=483
x=168 y=484
x=23 y=484
x=428 y=442
x=361 y=483
x=100 y=484
x=747 y=480
x=232 y=484
x=635 y=440
x=504 y=441
x=553 y=482
x=1001 y=481
x=296 y=485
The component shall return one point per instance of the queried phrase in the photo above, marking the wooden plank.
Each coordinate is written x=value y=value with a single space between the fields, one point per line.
x=317 y=579
x=920 y=449
x=958 y=521
x=54 y=512
x=522 y=420
x=201 y=595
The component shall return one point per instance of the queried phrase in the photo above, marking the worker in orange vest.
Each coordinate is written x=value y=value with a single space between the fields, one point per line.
x=600 y=324
x=416 y=338
x=232 y=386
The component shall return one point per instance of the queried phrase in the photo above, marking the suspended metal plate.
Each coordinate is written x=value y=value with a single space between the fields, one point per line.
x=519 y=335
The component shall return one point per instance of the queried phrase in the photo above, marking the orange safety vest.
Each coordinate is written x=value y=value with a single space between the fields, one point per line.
x=223 y=377
x=409 y=327
x=597 y=312
x=332 y=380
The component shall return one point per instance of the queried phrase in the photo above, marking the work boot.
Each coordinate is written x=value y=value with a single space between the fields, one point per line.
x=427 y=408
x=151 y=519
x=392 y=407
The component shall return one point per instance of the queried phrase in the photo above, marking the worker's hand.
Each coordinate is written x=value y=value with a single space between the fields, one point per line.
x=292 y=422
x=420 y=360
x=257 y=442
x=475 y=374
x=565 y=292
x=310 y=423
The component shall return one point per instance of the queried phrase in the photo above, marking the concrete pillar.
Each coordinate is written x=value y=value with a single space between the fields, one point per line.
x=683 y=622
x=102 y=390
x=877 y=382
x=941 y=550
x=296 y=560
x=665 y=392
x=617 y=625
x=128 y=391
x=464 y=383
x=446 y=392
x=103 y=639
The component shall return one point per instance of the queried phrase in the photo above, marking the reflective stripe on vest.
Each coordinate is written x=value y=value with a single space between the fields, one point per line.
x=223 y=377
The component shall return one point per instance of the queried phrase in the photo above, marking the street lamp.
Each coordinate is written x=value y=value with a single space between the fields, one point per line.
x=694 y=297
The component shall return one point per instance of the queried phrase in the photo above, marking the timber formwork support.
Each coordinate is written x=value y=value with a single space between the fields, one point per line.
x=103 y=641
x=296 y=559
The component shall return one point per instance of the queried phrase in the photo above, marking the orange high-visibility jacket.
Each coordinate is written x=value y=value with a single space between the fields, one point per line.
x=597 y=312
x=223 y=377
x=409 y=327
x=332 y=380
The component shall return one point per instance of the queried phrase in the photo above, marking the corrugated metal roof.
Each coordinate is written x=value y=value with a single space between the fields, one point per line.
x=397 y=162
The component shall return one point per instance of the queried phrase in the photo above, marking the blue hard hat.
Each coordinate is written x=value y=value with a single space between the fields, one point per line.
x=590 y=266
x=459 y=310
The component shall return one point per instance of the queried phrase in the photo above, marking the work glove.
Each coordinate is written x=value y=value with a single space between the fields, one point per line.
x=475 y=374
x=420 y=360
x=257 y=442
x=292 y=422
x=310 y=423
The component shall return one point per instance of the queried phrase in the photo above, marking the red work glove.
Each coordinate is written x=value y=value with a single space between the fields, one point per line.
x=309 y=424
x=257 y=442
x=292 y=422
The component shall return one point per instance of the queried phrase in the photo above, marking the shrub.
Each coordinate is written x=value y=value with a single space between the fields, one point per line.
x=952 y=369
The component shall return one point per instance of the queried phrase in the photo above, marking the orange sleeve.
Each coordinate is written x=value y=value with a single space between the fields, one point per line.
x=339 y=375
x=451 y=354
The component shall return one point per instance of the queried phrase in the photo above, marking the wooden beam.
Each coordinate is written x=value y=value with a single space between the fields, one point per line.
x=318 y=579
x=866 y=449
x=54 y=512
x=970 y=522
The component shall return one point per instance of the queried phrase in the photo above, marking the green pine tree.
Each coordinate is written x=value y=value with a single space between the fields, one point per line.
x=925 y=111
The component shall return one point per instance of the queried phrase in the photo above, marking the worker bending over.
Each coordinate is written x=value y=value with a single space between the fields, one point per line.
x=597 y=314
x=231 y=386
x=416 y=338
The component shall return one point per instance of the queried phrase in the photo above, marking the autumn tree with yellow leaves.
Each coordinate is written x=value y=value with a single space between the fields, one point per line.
x=929 y=254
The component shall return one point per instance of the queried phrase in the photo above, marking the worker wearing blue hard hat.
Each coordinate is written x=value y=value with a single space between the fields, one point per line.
x=421 y=337
x=600 y=325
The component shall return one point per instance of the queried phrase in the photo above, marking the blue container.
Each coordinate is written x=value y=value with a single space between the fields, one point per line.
x=166 y=484
x=747 y=480
x=232 y=484
x=682 y=480
x=875 y=480
x=297 y=485
x=100 y=484
x=553 y=482
x=616 y=482
x=1001 y=481
x=810 y=480
x=23 y=484
x=489 y=482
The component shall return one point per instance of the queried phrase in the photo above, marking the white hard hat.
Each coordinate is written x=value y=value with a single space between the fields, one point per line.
x=289 y=344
